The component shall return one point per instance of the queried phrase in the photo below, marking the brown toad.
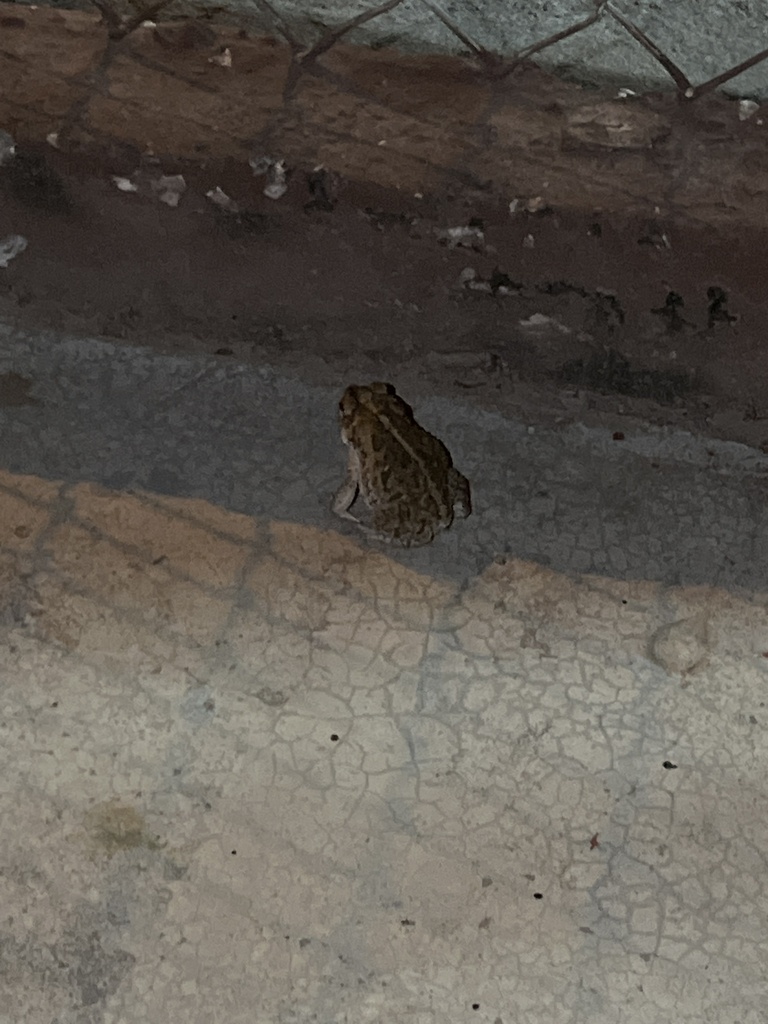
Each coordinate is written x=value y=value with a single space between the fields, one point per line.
x=402 y=472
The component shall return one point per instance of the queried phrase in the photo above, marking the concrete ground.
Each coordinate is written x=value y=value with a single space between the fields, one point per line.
x=258 y=770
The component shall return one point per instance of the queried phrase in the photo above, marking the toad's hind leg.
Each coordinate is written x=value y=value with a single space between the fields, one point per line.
x=344 y=498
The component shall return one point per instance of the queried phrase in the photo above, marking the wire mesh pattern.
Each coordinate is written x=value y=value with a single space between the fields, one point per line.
x=498 y=66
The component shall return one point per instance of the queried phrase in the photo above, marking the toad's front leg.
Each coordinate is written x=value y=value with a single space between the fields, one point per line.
x=346 y=494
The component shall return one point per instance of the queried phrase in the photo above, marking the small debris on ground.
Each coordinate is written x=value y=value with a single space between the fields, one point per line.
x=169 y=188
x=747 y=108
x=535 y=204
x=498 y=283
x=10 y=247
x=539 y=323
x=147 y=179
x=467 y=275
x=469 y=278
x=222 y=200
x=276 y=172
x=223 y=59
x=277 y=181
x=470 y=237
x=125 y=184
x=261 y=164
x=7 y=148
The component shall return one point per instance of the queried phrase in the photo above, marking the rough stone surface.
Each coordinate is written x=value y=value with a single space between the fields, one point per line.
x=256 y=769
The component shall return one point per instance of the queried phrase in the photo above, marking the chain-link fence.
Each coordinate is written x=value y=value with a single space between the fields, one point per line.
x=310 y=34
x=273 y=80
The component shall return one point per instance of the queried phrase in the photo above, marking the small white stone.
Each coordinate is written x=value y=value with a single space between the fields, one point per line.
x=125 y=184
x=223 y=59
x=10 y=247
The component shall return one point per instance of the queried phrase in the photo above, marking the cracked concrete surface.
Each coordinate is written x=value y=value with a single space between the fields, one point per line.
x=255 y=769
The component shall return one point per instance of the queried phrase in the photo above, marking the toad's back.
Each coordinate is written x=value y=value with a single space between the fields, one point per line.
x=404 y=474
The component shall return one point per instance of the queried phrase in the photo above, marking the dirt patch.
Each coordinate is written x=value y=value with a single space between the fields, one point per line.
x=427 y=124
x=582 y=318
x=440 y=229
